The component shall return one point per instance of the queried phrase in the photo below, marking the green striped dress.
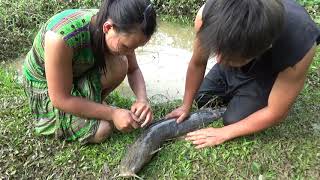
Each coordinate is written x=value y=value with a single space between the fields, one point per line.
x=73 y=26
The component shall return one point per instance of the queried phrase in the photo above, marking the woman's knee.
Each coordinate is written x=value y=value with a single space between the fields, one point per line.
x=103 y=132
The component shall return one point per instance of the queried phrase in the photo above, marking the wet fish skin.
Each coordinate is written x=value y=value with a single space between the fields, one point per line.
x=150 y=141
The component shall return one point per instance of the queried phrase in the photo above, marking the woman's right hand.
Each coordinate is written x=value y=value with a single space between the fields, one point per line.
x=124 y=120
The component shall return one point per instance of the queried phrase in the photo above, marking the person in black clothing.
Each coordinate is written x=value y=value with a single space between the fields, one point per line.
x=263 y=50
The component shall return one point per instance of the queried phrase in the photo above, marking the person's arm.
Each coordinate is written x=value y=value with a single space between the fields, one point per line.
x=195 y=73
x=283 y=94
x=197 y=65
x=58 y=68
x=135 y=78
x=285 y=90
x=141 y=107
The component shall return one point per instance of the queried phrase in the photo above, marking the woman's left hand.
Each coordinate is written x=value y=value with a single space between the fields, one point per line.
x=142 y=110
x=207 y=137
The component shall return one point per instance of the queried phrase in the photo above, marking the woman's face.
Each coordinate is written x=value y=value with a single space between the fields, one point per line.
x=120 y=43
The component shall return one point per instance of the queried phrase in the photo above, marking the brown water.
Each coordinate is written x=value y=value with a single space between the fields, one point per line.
x=164 y=61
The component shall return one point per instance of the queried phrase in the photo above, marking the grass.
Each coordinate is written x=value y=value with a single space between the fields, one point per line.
x=290 y=150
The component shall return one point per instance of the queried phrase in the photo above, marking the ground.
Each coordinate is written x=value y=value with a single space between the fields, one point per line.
x=290 y=150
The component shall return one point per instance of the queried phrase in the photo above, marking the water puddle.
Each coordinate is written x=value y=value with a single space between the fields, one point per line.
x=164 y=61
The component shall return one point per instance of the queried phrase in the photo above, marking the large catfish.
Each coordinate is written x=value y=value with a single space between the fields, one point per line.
x=150 y=141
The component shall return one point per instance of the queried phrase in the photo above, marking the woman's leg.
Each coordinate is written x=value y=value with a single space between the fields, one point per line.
x=109 y=81
x=103 y=132
x=92 y=86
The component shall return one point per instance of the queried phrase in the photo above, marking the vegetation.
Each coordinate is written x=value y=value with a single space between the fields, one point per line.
x=288 y=151
x=21 y=19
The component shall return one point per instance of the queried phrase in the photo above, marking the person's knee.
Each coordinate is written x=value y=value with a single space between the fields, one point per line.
x=103 y=132
x=237 y=113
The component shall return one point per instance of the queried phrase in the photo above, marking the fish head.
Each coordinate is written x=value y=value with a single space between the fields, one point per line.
x=135 y=159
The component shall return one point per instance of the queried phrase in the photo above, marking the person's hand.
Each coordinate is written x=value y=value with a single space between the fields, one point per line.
x=143 y=112
x=181 y=113
x=207 y=137
x=124 y=120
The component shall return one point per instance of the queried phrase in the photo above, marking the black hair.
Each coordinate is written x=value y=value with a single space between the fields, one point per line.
x=240 y=28
x=127 y=16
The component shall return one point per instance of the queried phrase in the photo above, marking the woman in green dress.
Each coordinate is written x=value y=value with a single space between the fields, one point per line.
x=78 y=57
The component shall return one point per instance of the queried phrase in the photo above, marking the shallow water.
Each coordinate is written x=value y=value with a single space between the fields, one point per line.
x=164 y=61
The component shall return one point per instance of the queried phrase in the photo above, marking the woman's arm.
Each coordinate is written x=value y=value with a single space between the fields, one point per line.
x=141 y=107
x=58 y=68
x=136 y=79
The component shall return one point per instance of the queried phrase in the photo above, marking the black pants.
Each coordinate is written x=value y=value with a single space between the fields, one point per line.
x=244 y=93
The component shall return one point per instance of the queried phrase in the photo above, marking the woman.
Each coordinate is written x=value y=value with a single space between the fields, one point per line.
x=77 y=58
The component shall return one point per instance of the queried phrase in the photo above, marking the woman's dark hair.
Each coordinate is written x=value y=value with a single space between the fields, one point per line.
x=240 y=28
x=127 y=16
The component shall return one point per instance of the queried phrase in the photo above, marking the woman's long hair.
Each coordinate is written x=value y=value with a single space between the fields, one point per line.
x=127 y=16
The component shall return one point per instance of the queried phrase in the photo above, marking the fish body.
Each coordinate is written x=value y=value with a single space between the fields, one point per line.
x=151 y=139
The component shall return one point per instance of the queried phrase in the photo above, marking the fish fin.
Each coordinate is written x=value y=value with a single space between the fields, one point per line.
x=127 y=175
x=181 y=137
x=138 y=177
x=177 y=138
x=155 y=151
x=171 y=139
x=116 y=176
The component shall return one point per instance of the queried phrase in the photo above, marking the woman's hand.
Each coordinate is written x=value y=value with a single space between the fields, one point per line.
x=124 y=120
x=207 y=137
x=142 y=111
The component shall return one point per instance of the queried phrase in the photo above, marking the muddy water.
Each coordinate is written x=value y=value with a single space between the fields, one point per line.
x=164 y=61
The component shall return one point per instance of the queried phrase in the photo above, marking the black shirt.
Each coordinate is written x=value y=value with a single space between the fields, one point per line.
x=299 y=34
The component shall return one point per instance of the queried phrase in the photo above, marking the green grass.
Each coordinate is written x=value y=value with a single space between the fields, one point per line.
x=290 y=150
